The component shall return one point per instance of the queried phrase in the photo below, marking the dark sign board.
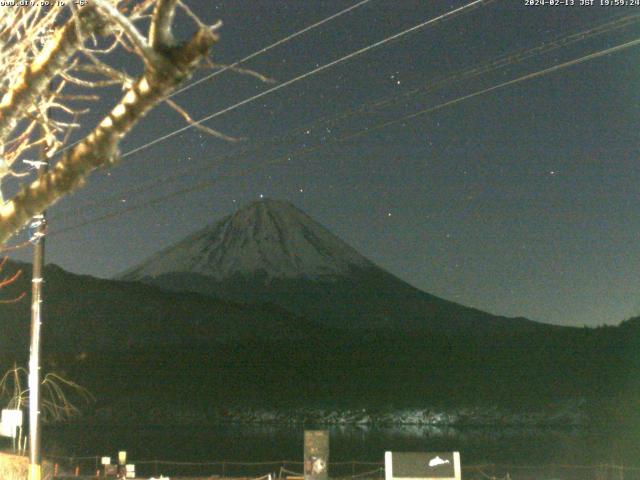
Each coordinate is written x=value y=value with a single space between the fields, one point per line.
x=422 y=466
x=316 y=454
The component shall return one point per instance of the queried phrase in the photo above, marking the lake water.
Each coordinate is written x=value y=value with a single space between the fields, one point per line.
x=256 y=443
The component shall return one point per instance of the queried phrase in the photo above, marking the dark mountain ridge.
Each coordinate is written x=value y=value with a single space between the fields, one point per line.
x=267 y=307
x=84 y=313
x=131 y=342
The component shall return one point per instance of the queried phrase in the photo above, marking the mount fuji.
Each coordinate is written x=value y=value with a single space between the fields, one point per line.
x=271 y=239
x=271 y=252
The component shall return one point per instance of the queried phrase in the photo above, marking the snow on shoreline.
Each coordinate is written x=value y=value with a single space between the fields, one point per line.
x=568 y=413
x=458 y=417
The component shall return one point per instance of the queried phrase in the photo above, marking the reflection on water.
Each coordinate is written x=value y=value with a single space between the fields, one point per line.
x=364 y=443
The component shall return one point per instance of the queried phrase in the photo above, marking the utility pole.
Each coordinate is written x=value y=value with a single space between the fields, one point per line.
x=34 y=358
x=38 y=229
x=35 y=460
x=38 y=234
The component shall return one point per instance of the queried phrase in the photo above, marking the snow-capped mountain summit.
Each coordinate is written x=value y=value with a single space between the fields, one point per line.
x=271 y=252
x=270 y=238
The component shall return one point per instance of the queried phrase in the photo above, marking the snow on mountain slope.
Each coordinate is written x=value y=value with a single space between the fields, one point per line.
x=268 y=237
x=271 y=252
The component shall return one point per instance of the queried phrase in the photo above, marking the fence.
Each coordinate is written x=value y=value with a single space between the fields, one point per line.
x=86 y=467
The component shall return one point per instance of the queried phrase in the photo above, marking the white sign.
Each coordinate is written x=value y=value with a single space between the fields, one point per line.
x=130 y=471
x=422 y=466
x=106 y=461
x=13 y=417
x=7 y=430
x=11 y=420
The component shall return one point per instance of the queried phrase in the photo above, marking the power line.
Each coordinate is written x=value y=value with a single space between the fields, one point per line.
x=470 y=6
x=464 y=74
x=521 y=55
x=270 y=47
x=523 y=78
x=252 y=55
x=305 y=151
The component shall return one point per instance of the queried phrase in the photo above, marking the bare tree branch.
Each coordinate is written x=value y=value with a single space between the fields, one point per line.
x=196 y=125
x=36 y=76
x=160 y=34
x=61 y=400
x=56 y=57
x=100 y=148
x=113 y=14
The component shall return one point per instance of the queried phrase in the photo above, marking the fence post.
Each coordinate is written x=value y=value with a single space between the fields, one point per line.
x=353 y=468
x=223 y=465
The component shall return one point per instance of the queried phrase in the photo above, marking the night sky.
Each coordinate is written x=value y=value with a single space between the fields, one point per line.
x=520 y=202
